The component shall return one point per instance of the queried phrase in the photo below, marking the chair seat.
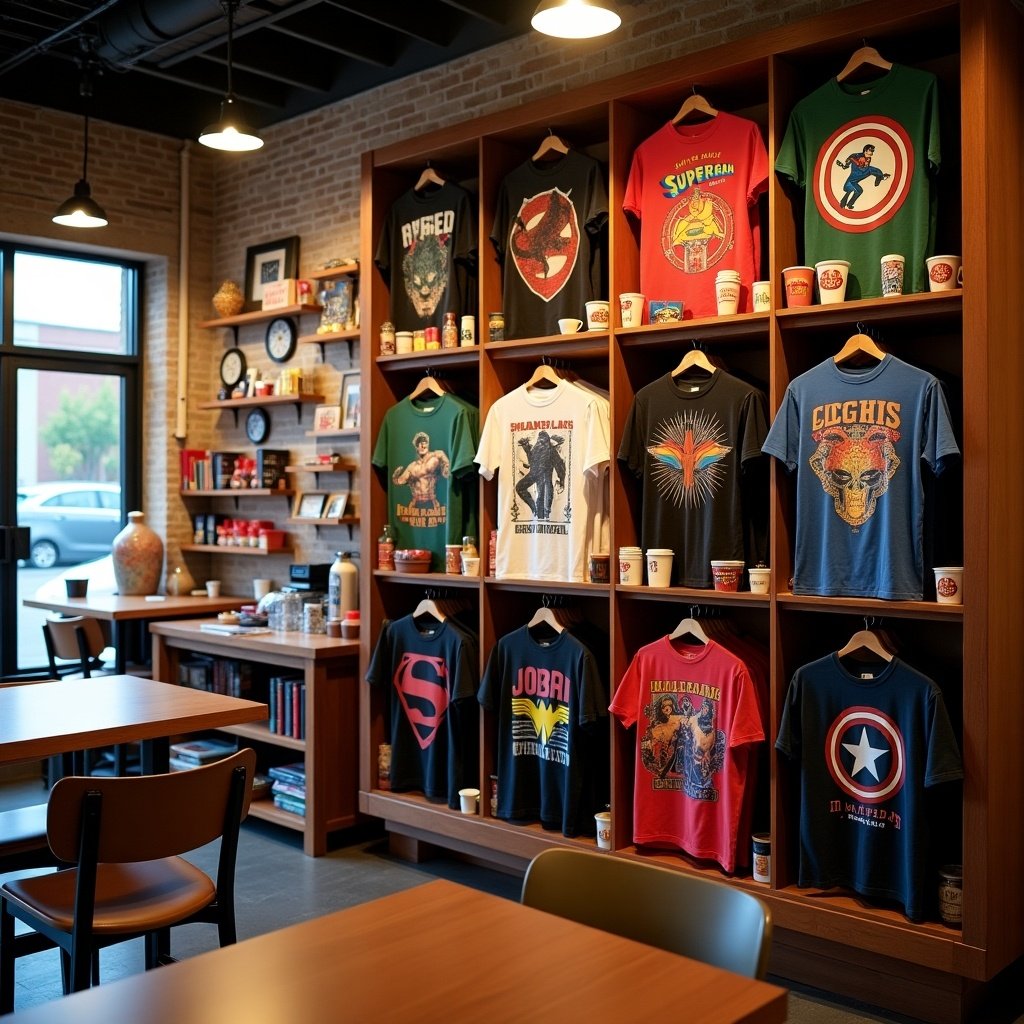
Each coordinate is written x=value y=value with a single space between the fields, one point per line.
x=130 y=898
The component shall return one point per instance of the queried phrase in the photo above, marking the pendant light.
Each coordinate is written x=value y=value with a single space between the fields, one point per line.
x=230 y=133
x=81 y=210
x=576 y=19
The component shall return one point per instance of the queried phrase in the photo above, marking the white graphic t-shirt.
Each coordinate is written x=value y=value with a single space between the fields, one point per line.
x=550 y=444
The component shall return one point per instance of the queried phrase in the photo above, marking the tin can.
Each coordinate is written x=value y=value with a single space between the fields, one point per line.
x=432 y=337
x=467 y=332
x=419 y=341
x=496 y=326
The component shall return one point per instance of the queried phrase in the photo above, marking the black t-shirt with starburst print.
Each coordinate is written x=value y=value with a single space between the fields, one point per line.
x=696 y=444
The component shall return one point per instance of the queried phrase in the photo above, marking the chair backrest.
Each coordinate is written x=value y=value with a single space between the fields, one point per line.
x=77 y=638
x=151 y=816
x=688 y=914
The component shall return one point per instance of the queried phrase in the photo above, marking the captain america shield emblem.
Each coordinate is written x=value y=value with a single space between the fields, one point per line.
x=545 y=242
x=862 y=174
x=865 y=755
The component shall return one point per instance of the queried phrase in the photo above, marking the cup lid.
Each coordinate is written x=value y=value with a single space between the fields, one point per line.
x=727 y=562
x=949 y=568
x=830 y=263
x=660 y=551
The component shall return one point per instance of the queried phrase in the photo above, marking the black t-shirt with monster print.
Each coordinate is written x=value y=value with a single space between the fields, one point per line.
x=696 y=445
x=427 y=254
x=549 y=234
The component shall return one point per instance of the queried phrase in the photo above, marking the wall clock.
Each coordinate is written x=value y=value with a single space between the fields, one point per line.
x=232 y=367
x=282 y=338
x=257 y=425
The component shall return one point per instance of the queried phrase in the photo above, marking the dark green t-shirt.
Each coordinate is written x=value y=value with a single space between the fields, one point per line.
x=865 y=155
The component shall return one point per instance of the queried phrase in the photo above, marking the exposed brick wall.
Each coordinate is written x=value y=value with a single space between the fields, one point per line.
x=304 y=182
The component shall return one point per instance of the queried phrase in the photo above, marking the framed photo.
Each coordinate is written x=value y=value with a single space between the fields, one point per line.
x=309 y=506
x=338 y=313
x=271 y=261
x=336 y=505
x=328 y=417
x=350 y=406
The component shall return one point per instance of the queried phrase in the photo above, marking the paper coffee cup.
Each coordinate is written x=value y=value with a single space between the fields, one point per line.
x=468 y=799
x=832 y=277
x=631 y=309
x=944 y=273
x=597 y=315
x=798 y=283
x=603 y=823
x=892 y=267
x=949 y=584
x=761 y=295
x=759 y=580
x=631 y=567
x=659 y=567
x=726 y=574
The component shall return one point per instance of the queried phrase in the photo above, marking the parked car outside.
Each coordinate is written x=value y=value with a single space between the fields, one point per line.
x=69 y=521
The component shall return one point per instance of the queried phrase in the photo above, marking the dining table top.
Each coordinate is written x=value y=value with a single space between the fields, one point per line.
x=122 y=607
x=439 y=952
x=39 y=720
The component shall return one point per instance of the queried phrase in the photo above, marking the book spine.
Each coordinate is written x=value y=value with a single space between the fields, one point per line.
x=302 y=711
x=279 y=724
x=272 y=703
x=296 y=711
x=289 y=686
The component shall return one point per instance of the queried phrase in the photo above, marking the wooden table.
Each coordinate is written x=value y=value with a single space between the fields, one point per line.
x=437 y=953
x=330 y=751
x=117 y=609
x=39 y=720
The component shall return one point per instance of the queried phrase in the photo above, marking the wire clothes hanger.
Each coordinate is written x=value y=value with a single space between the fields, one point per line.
x=551 y=145
x=428 y=177
x=859 y=344
x=694 y=104
x=865 y=57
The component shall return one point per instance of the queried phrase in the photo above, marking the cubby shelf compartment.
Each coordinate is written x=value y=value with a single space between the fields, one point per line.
x=438 y=357
x=871 y=608
x=261 y=734
x=586 y=345
x=427 y=579
x=946 y=307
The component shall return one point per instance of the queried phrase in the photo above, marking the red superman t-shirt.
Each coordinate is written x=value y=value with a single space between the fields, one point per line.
x=694 y=188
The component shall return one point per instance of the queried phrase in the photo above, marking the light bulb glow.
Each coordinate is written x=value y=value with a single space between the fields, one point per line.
x=575 y=19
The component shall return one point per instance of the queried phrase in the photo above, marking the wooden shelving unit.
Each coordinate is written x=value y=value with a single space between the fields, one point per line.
x=973 y=340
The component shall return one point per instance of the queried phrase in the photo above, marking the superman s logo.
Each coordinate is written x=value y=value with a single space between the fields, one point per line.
x=421 y=683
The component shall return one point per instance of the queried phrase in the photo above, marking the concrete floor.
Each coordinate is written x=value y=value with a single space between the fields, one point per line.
x=278 y=885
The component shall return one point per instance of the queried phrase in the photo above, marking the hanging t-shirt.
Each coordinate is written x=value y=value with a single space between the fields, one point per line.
x=857 y=438
x=550 y=706
x=865 y=156
x=426 y=447
x=867 y=749
x=427 y=253
x=698 y=714
x=546 y=442
x=691 y=443
x=548 y=232
x=429 y=672
x=694 y=188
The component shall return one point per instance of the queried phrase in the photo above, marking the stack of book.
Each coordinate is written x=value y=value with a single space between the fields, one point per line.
x=193 y=753
x=218 y=675
x=286 y=696
x=289 y=787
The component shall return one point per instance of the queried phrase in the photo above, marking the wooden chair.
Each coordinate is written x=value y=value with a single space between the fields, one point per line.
x=697 y=917
x=125 y=837
x=74 y=648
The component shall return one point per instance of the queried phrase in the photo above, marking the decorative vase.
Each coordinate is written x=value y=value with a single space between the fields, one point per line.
x=228 y=299
x=138 y=556
x=179 y=581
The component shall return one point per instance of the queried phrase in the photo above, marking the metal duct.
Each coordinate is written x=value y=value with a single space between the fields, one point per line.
x=131 y=30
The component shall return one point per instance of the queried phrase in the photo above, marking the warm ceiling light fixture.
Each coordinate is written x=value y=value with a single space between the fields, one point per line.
x=576 y=19
x=81 y=210
x=230 y=133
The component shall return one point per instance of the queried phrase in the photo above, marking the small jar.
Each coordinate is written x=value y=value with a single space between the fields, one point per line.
x=387 y=338
x=453 y=558
x=350 y=626
x=496 y=326
x=313 y=618
x=951 y=894
x=469 y=548
x=467 y=332
x=432 y=338
x=403 y=342
x=449 y=332
x=419 y=341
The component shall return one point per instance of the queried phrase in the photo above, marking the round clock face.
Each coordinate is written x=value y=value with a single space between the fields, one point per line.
x=232 y=367
x=257 y=425
x=281 y=339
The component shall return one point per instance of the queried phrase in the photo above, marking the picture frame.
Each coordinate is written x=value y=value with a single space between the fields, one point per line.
x=327 y=417
x=335 y=505
x=270 y=261
x=309 y=505
x=337 y=299
x=350 y=401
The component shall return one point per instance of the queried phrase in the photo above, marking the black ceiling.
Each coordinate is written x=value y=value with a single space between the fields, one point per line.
x=161 y=65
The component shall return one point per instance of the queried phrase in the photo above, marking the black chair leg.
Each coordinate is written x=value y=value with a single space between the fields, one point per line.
x=65 y=972
x=81 y=968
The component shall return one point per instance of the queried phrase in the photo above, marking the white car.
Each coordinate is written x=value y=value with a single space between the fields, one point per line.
x=69 y=521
